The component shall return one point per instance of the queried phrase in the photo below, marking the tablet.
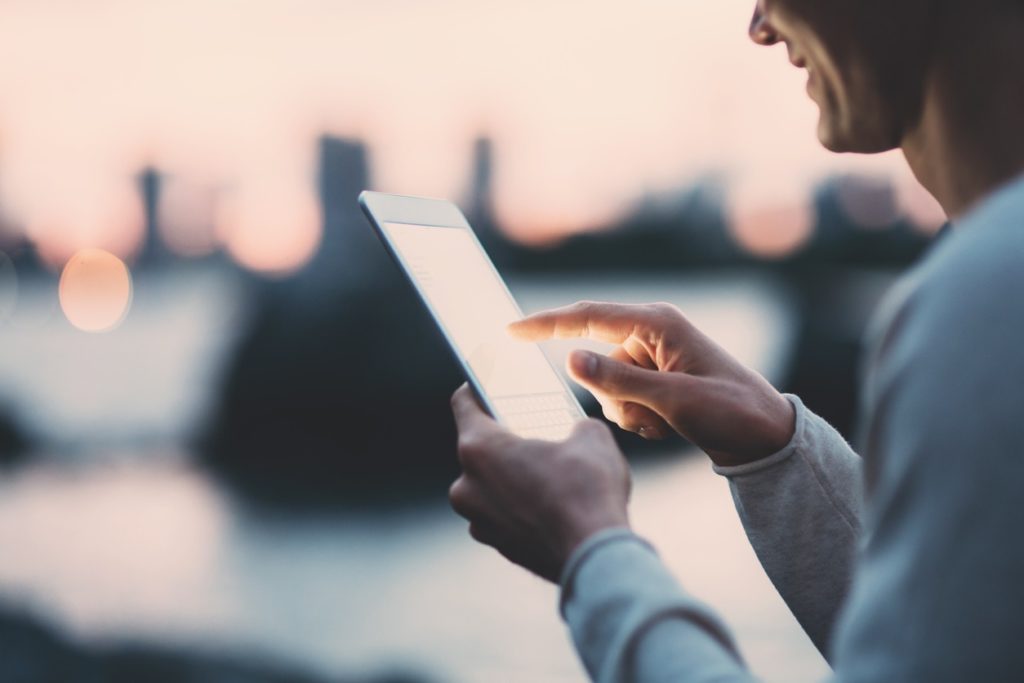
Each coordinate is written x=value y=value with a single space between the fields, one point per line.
x=440 y=254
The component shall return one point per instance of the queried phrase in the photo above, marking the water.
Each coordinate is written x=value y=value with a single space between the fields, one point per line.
x=148 y=380
x=129 y=539
x=152 y=549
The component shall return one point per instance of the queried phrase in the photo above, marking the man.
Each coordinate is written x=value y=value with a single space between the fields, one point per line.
x=924 y=580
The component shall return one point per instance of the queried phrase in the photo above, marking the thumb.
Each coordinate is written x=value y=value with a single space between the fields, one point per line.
x=621 y=381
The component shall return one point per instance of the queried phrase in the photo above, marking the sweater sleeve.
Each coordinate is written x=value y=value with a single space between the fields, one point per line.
x=632 y=621
x=801 y=509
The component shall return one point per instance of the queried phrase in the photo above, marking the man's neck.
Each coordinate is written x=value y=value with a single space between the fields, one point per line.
x=970 y=137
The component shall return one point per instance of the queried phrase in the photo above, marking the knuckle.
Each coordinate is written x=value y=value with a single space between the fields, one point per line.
x=661 y=307
x=591 y=306
x=670 y=312
x=471 y=441
x=459 y=496
x=471 y=450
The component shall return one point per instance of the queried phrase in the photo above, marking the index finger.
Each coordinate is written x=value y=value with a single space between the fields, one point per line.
x=606 y=322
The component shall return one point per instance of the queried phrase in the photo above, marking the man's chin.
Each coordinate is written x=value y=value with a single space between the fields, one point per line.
x=832 y=137
x=829 y=141
x=835 y=139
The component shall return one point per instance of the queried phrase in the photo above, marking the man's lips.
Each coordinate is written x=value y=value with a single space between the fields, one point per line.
x=801 y=63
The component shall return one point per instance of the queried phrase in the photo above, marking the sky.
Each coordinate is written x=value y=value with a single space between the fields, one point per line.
x=590 y=104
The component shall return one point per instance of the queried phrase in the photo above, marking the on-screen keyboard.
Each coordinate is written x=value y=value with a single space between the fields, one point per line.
x=549 y=416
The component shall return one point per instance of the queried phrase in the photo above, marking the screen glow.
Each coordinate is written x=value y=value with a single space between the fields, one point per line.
x=469 y=299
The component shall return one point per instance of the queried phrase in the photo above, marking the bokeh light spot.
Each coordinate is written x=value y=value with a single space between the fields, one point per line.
x=95 y=290
x=772 y=232
x=275 y=233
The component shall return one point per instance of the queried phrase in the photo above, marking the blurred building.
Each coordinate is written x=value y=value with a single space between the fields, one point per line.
x=338 y=389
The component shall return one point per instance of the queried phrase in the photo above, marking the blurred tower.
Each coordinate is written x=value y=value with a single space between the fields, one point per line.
x=153 y=251
x=350 y=255
x=478 y=203
x=480 y=200
x=342 y=174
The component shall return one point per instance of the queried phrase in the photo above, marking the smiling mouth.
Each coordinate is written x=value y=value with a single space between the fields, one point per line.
x=801 y=63
x=811 y=81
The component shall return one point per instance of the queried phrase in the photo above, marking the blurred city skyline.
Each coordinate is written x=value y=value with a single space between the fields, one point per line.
x=590 y=105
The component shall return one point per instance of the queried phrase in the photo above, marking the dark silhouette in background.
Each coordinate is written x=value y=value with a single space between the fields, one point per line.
x=154 y=253
x=14 y=443
x=31 y=651
x=478 y=204
x=322 y=400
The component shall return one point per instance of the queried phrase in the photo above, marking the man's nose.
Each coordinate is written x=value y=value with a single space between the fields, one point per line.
x=761 y=31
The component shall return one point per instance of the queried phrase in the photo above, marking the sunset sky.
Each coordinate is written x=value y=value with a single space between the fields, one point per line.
x=590 y=103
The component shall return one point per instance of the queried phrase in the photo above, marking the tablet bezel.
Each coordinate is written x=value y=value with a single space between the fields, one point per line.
x=381 y=208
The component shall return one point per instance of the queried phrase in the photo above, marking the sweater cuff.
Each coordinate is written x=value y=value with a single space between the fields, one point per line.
x=586 y=549
x=799 y=437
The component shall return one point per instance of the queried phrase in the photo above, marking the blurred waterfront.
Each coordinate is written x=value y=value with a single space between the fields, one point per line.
x=113 y=533
x=143 y=549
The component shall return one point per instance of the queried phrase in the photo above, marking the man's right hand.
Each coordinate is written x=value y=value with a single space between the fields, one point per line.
x=666 y=375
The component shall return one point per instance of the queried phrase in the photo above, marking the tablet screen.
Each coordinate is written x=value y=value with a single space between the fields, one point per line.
x=469 y=300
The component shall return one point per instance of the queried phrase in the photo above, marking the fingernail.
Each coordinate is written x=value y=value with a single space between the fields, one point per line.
x=585 y=363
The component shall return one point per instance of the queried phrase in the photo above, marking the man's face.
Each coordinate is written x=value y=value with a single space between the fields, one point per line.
x=866 y=63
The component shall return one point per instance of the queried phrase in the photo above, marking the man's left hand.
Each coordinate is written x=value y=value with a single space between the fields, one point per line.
x=536 y=501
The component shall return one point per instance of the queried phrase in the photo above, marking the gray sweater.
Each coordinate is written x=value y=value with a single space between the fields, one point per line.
x=924 y=579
